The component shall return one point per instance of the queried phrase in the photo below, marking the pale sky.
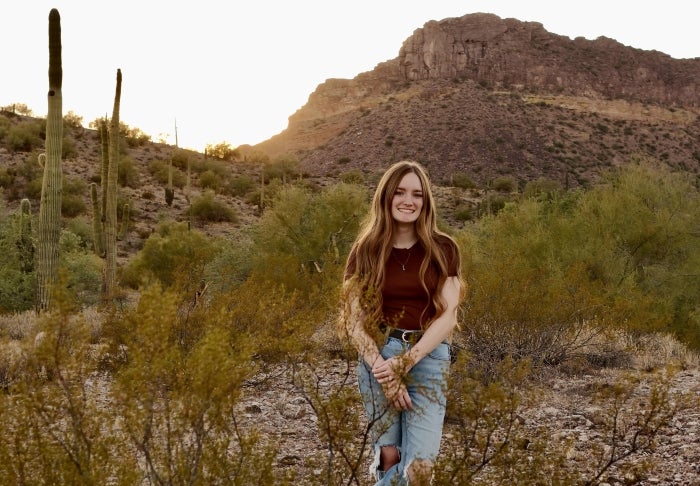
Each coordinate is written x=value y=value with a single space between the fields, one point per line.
x=236 y=70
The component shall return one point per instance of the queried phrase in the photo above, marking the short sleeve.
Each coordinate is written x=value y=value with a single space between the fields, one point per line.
x=452 y=256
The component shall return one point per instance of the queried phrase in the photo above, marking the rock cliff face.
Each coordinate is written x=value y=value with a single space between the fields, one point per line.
x=513 y=54
x=510 y=54
x=491 y=96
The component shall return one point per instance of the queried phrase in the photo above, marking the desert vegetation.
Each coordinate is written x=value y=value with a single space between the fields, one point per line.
x=130 y=351
x=148 y=388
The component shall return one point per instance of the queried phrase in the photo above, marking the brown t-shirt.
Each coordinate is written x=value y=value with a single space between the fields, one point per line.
x=403 y=296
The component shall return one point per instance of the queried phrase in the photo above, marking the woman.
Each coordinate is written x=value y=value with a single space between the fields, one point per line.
x=401 y=294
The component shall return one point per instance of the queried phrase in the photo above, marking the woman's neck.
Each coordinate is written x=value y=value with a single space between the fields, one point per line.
x=404 y=236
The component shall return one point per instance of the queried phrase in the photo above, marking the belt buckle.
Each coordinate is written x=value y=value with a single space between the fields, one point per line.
x=403 y=336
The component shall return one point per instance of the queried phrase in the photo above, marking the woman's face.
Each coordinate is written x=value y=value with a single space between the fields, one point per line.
x=407 y=201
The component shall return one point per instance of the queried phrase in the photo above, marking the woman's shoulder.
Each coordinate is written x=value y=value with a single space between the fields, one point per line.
x=446 y=243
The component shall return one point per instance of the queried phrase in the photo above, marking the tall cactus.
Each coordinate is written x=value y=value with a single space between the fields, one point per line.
x=97 y=235
x=25 y=245
x=49 y=228
x=104 y=168
x=110 y=227
x=125 y=221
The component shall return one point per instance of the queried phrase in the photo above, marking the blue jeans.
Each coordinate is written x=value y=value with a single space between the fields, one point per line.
x=416 y=433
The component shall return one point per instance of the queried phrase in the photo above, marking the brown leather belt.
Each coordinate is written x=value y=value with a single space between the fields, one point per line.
x=407 y=336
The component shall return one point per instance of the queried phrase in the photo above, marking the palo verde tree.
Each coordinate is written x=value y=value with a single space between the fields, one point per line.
x=49 y=227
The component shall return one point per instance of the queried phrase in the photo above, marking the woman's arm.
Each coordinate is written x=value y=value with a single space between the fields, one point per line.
x=441 y=327
x=354 y=328
x=393 y=368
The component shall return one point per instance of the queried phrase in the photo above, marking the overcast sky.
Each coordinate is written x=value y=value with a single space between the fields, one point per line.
x=235 y=71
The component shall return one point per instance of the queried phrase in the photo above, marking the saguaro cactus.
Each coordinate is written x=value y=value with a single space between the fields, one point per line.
x=49 y=228
x=97 y=235
x=125 y=221
x=25 y=245
x=110 y=228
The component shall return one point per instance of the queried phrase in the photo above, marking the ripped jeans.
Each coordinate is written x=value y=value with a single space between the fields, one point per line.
x=416 y=433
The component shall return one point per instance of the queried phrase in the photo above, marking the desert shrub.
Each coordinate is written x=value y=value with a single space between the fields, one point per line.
x=16 y=274
x=159 y=170
x=127 y=173
x=72 y=205
x=504 y=184
x=617 y=255
x=209 y=180
x=173 y=403
x=25 y=136
x=542 y=188
x=464 y=212
x=222 y=150
x=354 y=176
x=173 y=256
x=240 y=185
x=134 y=137
x=460 y=179
x=207 y=208
x=303 y=231
x=72 y=120
x=68 y=149
x=285 y=168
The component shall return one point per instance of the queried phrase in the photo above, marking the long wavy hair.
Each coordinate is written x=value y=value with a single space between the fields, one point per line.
x=372 y=248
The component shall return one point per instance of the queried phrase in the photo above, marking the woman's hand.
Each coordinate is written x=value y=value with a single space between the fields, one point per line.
x=389 y=373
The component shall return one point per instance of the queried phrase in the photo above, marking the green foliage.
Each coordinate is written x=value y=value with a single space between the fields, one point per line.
x=618 y=255
x=159 y=170
x=163 y=415
x=222 y=150
x=304 y=231
x=172 y=256
x=240 y=185
x=25 y=136
x=134 y=137
x=207 y=208
x=542 y=188
x=72 y=120
x=504 y=184
x=127 y=173
x=354 y=176
x=460 y=179
x=209 y=180
x=285 y=167
x=16 y=276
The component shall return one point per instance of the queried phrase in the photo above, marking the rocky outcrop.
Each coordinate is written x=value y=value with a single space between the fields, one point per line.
x=513 y=54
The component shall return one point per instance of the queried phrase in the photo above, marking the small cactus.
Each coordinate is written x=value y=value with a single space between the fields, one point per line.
x=125 y=221
x=97 y=233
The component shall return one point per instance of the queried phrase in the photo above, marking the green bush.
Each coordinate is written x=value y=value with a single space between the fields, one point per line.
x=617 y=255
x=127 y=174
x=240 y=185
x=504 y=184
x=173 y=256
x=159 y=170
x=25 y=136
x=460 y=179
x=207 y=208
x=209 y=180
x=354 y=176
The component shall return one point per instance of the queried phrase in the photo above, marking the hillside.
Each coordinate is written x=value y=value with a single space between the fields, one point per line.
x=477 y=96
x=491 y=96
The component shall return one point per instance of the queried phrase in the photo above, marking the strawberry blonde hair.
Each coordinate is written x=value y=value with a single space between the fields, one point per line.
x=373 y=245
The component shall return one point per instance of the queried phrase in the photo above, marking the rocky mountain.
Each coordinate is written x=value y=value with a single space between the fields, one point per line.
x=495 y=97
